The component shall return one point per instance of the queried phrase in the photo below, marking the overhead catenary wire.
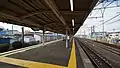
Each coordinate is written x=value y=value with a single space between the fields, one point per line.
x=96 y=6
x=108 y=20
x=106 y=5
x=118 y=5
x=103 y=6
x=113 y=22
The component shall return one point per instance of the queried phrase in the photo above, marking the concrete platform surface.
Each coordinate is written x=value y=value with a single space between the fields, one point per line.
x=5 y=65
x=53 y=53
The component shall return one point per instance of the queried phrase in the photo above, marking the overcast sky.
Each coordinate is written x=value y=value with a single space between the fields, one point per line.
x=109 y=13
x=15 y=27
x=109 y=26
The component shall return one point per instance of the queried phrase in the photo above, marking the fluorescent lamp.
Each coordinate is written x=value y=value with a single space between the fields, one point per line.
x=71 y=5
x=73 y=22
x=73 y=29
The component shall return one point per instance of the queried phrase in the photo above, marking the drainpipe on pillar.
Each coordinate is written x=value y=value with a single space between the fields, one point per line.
x=66 y=38
x=22 y=36
x=43 y=40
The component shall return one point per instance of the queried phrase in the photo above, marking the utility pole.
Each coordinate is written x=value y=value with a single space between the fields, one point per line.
x=93 y=28
x=84 y=32
x=113 y=30
x=12 y=29
x=103 y=28
x=91 y=32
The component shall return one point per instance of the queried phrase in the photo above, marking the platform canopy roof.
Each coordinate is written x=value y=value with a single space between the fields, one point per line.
x=54 y=15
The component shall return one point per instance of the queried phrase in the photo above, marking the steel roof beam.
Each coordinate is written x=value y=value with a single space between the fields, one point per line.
x=50 y=24
x=54 y=8
x=10 y=17
x=60 y=31
x=50 y=12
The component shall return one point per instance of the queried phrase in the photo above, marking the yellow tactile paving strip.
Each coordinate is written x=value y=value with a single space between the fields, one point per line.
x=28 y=64
x=72 y=61
x=32 y=64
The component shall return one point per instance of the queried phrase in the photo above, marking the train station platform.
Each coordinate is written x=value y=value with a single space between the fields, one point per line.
x=53 y=54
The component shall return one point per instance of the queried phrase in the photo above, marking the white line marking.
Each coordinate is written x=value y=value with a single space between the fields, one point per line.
x=25 y=49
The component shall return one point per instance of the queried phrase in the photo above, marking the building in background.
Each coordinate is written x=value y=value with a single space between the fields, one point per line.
x=110 y=37
x=113 y=37
x=29 y=37
x=99 y=35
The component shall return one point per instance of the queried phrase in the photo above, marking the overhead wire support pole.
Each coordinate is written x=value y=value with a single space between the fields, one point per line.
x=103 y=28
x=91 y=31
x=117 y=3
x=102 y=10
x=104 y=7
x=108 y=20
x=103 y=16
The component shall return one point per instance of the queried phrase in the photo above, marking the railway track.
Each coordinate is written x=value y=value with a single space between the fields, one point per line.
x=112 y=50
x=108 y=48
x=98 y=60
x=110 y=45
